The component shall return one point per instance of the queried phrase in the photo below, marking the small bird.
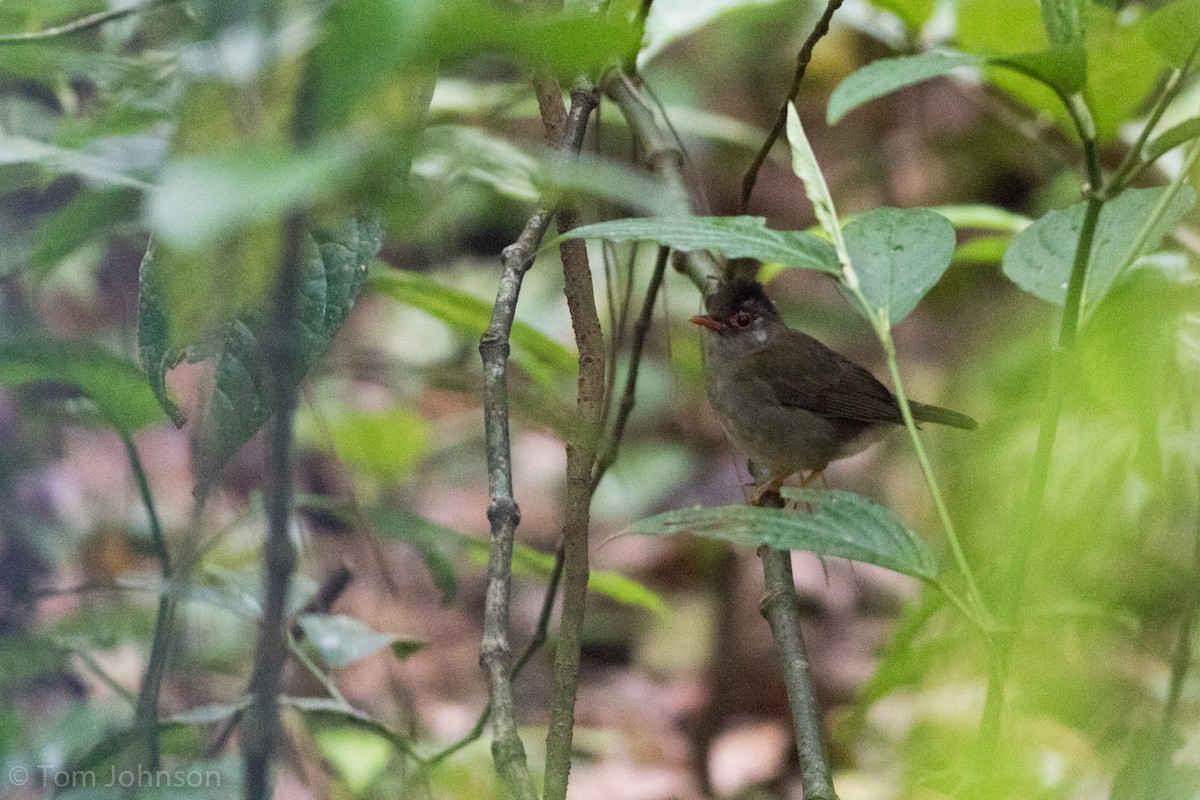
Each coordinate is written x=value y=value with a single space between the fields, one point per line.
x=787 y=401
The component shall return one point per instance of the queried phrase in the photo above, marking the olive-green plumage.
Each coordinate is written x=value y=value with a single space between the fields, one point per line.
x=787 y=401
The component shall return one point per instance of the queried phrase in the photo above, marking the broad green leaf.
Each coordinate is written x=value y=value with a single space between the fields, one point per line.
x=205 y=197
x=334 y=270
x=734 y=237
x=804 y=164
x=1061 y=67
x=1123 y=69
x=670 y=20
x=1172 y=138
x=1063 y=20
x=914 y=13
x=434 y=543
x=114 y=385
x=899 y=255
x=547 y=361
x=886 y=75
x=85 y=221
x=1174 y=32
x=340 y=640
x=841 y=524
x=1039 y=259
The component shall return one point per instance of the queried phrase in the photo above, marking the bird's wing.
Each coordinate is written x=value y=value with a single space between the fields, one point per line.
x=817 y=379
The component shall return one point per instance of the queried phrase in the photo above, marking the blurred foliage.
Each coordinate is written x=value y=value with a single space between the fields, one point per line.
x=404 y=133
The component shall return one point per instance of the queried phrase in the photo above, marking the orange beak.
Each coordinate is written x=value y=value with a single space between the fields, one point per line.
x=707 y=322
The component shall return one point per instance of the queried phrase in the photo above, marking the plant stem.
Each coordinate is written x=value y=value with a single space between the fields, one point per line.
x=974 y=598
x=82 y=24
x=508 y=751
x=781 y=608
x=802 y=59
x=581 y=459
x=143 y=484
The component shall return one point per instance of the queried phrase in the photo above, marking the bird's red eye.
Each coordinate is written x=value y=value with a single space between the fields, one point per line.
x=742 y=319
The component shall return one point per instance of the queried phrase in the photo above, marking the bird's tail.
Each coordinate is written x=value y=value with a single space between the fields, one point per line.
x=941 y=416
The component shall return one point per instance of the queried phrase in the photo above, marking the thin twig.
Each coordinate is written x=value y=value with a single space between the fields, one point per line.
x=802 y=59
x=662 y=155
x=581 y=458
x=508 y=751
x=82 y=24
x=612 y=441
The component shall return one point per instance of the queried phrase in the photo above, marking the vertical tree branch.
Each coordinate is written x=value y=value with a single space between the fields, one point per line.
x=260 y=732
x=581 y=458
x=508 y=752
x=802 y=59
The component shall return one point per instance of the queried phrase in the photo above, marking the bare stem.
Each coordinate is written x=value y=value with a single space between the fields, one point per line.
x=802 y=59
x=581 y=458
x=781 y=608
x=508 y=751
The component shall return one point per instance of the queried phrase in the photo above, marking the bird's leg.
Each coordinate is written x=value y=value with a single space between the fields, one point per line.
x=770 y=487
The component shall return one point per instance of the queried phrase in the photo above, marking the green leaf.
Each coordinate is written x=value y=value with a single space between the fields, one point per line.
x=384 y=445
x=982 y=250
x=240 y=593
x=886 y=75
x=914 y=13
x=734 y=237
x=430 y=540
x=206 y=715
x=1063 y=68
x=1174 y=32
x=841 y=524
x=806 y=167
x=1171 y=138
x=55 y=160
x=1039 y=259
x=89 y=217
x=1063 y=20
x=334 y=270
x=340 y=640
x=116 y=386
x=613 y=585
x=547 y=361
x=203 y=198
x=899 y=255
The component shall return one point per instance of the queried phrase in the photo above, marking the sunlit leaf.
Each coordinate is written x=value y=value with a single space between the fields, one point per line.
x=341 y=640
x=841 y=524
x=899 y=255
x=55 y=160
x=1173 y=30
x=384 y=445
x=984 y=218
x=914 y=13
x=114 y=385
x=1172 y=138
x=1040 y=258
x=735 y=237
x=358 y=756
x=808 y=170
